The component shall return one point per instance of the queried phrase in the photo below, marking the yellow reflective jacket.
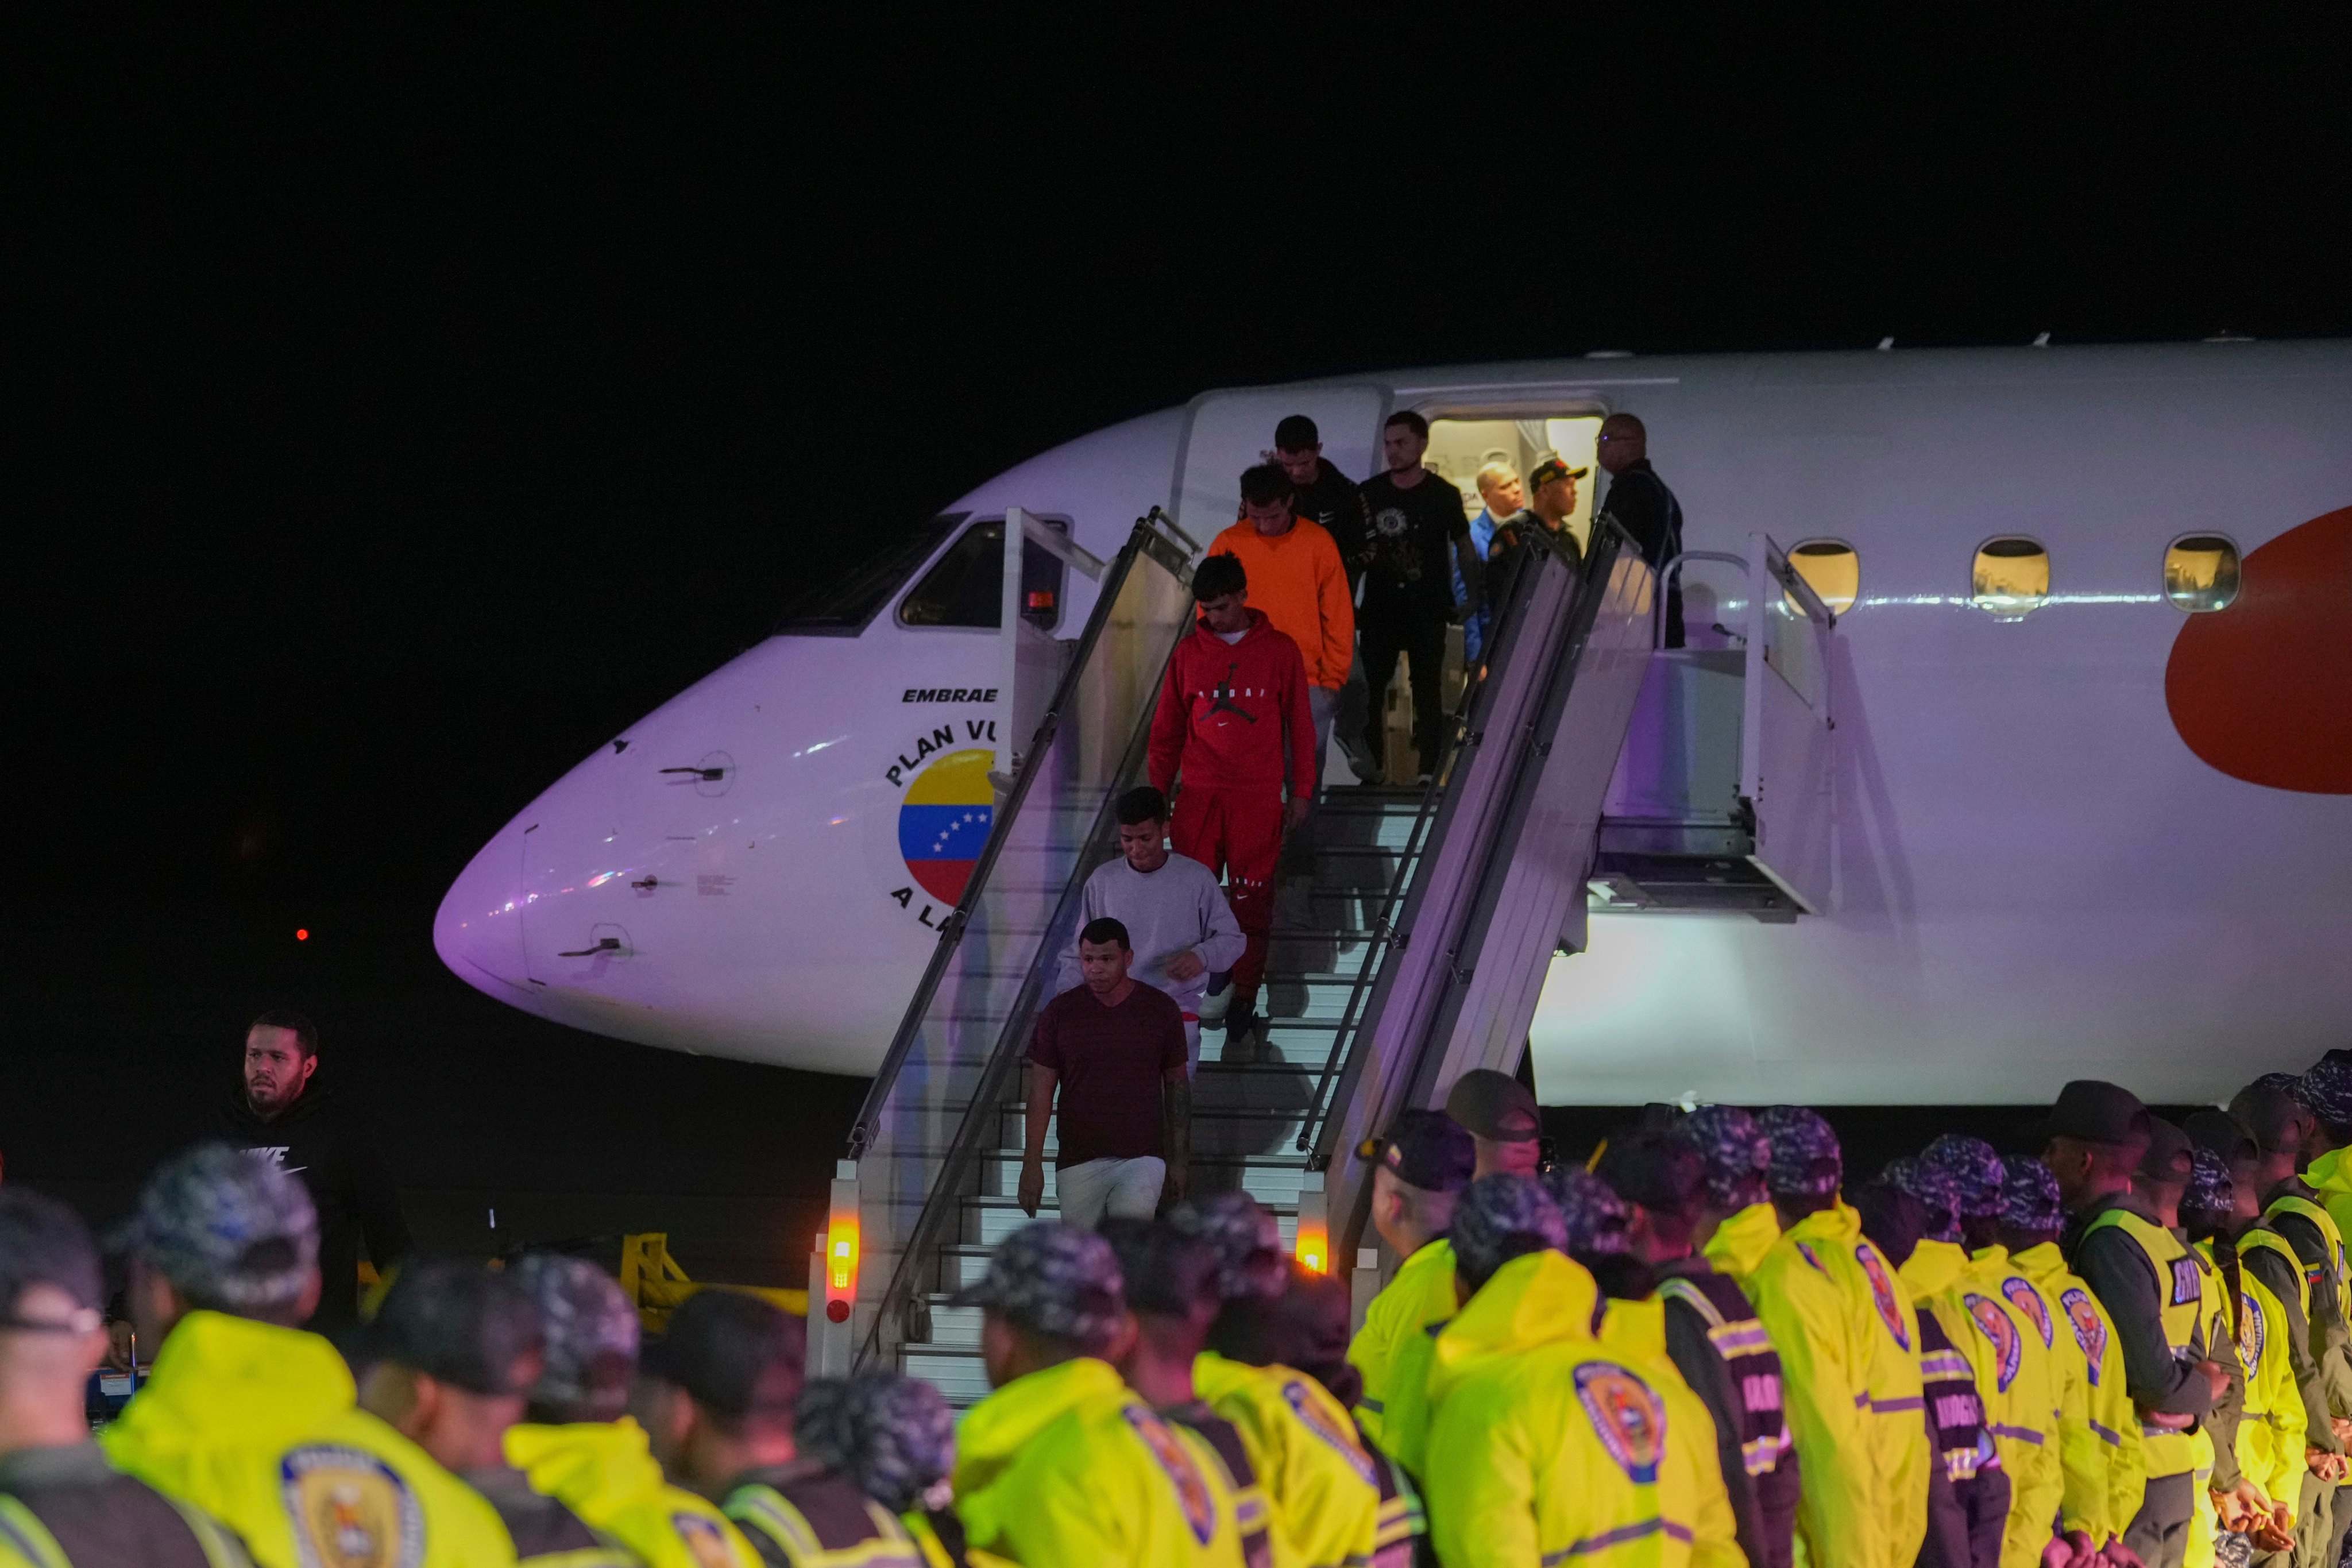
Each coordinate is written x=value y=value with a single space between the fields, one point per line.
x=605 y=1471
x=2081 y=1456
x=1545 y=1446
x=2112 y=1445
x=256 y=1425
x=2330 y=1176
x=1422 y=1293
x=1067 y=1465
x=1739 y=1243
x=2270 y=1433
x=2012 y=1362
x=1849 y=1347
x=1324 y=1488
x=2167 y=1450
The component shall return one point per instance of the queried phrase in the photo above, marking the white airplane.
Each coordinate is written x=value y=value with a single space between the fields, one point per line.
x=2086 y=823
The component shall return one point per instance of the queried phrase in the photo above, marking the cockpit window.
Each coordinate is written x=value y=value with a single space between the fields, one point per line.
x=966 y=587
x=841 y=607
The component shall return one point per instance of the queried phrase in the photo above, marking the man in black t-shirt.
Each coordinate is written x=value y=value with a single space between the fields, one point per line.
x=1416 y=528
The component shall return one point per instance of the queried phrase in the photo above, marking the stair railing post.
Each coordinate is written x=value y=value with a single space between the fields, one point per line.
x=1364 y=1284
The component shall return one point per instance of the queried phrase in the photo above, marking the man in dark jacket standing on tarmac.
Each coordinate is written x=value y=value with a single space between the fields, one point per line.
x=277 y=1116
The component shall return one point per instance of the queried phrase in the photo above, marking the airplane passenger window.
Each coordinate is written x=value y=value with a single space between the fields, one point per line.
x=2011 y=577
x=1832 y=569
x=966 y=587
x=2200 y=571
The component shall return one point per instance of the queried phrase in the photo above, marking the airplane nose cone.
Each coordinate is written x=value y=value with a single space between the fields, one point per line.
x=478 y=930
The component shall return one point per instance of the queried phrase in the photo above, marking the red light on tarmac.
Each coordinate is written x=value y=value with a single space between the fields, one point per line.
x=301 y=933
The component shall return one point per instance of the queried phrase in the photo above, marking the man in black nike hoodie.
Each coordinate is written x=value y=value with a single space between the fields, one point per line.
x=277 y=1116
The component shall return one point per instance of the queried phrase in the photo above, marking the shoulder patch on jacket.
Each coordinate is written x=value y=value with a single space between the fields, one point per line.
x=2001 y=1330
x=1881 y=1293
x=1627 y=1415
x=2188 y=1281
x=351 y=1509
x=1311 y=1415
x=2253 y=1333
x=2089 y=1327
x=1199 y=1509
x=2020 y=1293
x=705 y=1541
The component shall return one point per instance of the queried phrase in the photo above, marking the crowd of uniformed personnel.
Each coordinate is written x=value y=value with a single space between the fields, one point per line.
x=1707 y=1344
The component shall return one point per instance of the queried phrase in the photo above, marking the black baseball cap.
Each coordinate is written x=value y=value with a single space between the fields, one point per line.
x=459 y=1323
x=2222 y=1133
x=2095 y=1111
x=2167 y=1158
x=1495 y=1105
x=2276 y=1119
x=733 y=1353
x=1552 y=469
x=1429 y=1150
x=1656 y=1169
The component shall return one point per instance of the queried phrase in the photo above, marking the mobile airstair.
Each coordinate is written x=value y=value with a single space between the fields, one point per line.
x=1416 y=951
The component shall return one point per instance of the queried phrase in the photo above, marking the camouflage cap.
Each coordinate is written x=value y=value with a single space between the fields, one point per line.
x=1246 y=1237
x=457 y=1322
x=2286 y=1083
x=1053 y=1279
x=1501 y=1218
x=1735 y=1150
x=2029 y=1196
x=1806 y=1161
x=2327 y=1090
x=590 y=1335
x=227 y=1228
x=2211 y=1187
x=1974 y=1166
x=1590 y=1210
x=891 y=1434
x=1939 y=1196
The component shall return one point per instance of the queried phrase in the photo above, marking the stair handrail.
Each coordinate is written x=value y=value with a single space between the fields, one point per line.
x=952 y=925
x=1382 y=933
x=1666 y=576
x=944 y=1196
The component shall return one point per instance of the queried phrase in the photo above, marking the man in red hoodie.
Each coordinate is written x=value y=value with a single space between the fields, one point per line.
x=1235 y=689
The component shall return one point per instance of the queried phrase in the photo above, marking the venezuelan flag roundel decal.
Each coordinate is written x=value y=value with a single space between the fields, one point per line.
x=944 y=822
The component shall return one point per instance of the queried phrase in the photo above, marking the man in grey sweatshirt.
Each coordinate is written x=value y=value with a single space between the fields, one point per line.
x=1177 y=919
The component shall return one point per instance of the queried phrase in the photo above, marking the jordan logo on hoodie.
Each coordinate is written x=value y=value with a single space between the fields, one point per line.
x=1224 y=695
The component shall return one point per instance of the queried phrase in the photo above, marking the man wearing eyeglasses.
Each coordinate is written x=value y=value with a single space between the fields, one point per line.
x=60 y=1501
x=1642 y=504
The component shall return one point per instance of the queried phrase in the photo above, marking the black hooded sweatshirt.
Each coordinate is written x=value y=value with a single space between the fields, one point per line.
x=324 y=1142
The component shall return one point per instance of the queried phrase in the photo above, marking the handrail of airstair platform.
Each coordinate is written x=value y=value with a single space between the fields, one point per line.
x=1383 y=932
x=943 y=1201
x=1775 y=561
x=952 y=926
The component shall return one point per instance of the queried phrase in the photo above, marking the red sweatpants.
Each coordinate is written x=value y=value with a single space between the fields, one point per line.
x=1238 y=835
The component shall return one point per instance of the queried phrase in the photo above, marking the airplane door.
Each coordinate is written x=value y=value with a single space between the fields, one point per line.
x=1229 y=431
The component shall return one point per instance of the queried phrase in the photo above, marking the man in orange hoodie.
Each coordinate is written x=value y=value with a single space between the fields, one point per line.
x=1296 y=578
x=1233 y=720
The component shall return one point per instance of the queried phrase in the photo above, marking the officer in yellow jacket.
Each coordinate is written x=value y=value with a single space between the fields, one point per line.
x=2151 y=1289
x=1065 y=1463
x=576 y=1442
x=893 y=1436
x=1321 y=1481
x=2010 y=1358
x=1424 y=1164
x=2237 y=1498
x=719 y=1399
x=1848 y=1341
x=1737 y=1225
x=1545 y=1445
x=254 y=1421
x=2288 y=1250
x=452 y=1350
x=61 y=1504
x=2099 y=1443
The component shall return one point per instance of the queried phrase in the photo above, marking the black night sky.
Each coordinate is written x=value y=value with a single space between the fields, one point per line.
x=408 y=403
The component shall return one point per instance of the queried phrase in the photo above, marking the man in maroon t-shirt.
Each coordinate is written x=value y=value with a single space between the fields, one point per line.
x=1115 y=1051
